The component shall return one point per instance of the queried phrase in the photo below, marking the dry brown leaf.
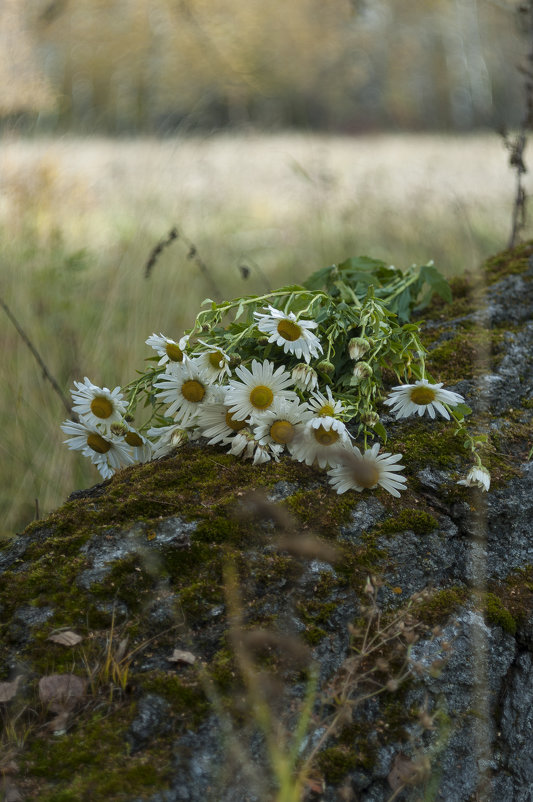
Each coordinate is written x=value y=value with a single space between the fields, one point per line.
x=61 y=692
x=66 y=638
x=179 y=656
x=121 y=649
x=9 y=689
x=402 y=772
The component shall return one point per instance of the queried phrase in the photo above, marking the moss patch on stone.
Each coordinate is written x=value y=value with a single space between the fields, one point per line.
x=441 y=605
x=417 y=521
x=511 y=262
x=93 y=761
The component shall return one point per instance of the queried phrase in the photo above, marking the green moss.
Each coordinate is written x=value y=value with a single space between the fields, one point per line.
x=467 y=354
x=92 y=761
x=441 y=605
x=510 y=262
x=336 y=762
x=497 y=614
x=187 y=697
x=417 y=521
x=320 y=509
x=426 y=444
x=129 y=581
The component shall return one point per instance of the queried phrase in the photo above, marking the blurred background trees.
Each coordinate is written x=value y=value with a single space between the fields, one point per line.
x=156 y=66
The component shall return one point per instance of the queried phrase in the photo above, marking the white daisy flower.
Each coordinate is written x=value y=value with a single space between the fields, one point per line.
x=186 y=389
x=257 y=389
x=217 y=423
x=282 y=424
x=98 y=405
x=305 y=377
x=214 y=362
x=322 y=441
x=168 y=349
x=327 y=407
x=141 y=447
x=167 y=438
x=245 y=445
x=293 y=335
x=478 y=476
x=365 y=471
x=407 y=399
x=108 y=453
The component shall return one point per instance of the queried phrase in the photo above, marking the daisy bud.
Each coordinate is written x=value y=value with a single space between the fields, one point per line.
x=392 y=685
x=305 y=377
x=326 y=367
x=362 y=370
x=234 y=360
x=357 y=347
x=370 y=418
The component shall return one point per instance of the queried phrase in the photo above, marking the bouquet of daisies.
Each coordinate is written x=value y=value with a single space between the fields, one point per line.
x=300 y=372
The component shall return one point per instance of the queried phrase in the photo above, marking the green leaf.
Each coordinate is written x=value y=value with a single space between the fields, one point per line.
x=319 y=278
x=462 y=410
x=380 y=431
x=240 y=310
x=436 y=281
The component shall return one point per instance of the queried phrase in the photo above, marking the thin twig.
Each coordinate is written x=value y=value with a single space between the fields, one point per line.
x=156 y=252
x=193 y=254
x=38 y=357
x=517 y=145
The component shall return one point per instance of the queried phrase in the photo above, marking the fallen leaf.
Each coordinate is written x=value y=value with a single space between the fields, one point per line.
x=61 y=692
x=9 y=689
x=121 y=650
x=179 y=656
x=402 y=772
x=66 y=638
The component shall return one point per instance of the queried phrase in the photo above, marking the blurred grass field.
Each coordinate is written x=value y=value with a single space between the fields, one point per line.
x=79 y=217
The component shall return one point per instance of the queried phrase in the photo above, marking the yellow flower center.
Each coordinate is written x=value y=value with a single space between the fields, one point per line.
x=261 y=397
x=234 y=424
x=366 y=475
x=282 y=431
x=133 y=439
x=97 y=443
x=422 y=395
x=326 y=437
x=193 y=391
x=101 y=407
x=327 y=409
x=289 y=330
x=174 y=352
x=216 y=358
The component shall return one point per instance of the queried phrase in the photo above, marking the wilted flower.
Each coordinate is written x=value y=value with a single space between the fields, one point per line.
x=357 y=347
x=478 y=476
x=304 y=377
x=362 y=370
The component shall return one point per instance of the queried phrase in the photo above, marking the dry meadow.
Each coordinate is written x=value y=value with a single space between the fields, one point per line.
x=79 y=217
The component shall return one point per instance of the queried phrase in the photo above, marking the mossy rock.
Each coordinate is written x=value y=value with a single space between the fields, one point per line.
x=140 y=566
